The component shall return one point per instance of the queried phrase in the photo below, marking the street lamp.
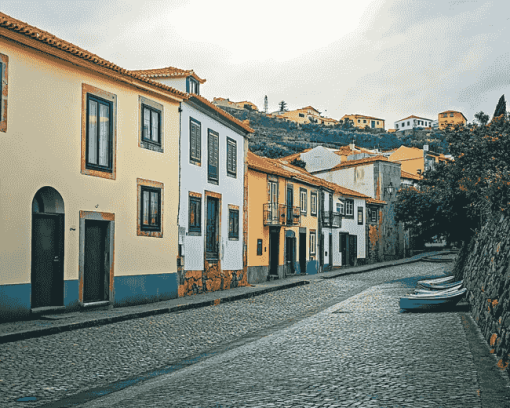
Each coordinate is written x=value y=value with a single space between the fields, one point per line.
x=390 y=189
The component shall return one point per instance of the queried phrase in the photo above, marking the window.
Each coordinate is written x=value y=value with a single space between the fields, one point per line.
x=377 y=122
x=4 y=62
x=233 y=224
x=304 y=199
x=364 y=121
x=359 y=121
x=151 y=120
x=373 y=215
x=312 y=243
x=313 y=203
x=445 y=115
x=259 y=247
x=231 y=157
x=349 y=208
x=396 y=125
x=195 y=141
x=340 y=208
x=98 y=132
x=195 y=214
x=192 y=86
x=301 y=115
x=408 y=123
x=150 y=208
x=451 y=115
x=212 y=167
x=360 y=215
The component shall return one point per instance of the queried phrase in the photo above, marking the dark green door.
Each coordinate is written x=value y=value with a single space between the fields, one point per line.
x=47 y=260
x=97 y=262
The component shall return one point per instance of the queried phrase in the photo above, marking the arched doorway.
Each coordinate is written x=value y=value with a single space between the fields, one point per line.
x=47 y=276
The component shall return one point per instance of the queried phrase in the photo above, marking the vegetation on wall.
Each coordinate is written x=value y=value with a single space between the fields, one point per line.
x=456 y=198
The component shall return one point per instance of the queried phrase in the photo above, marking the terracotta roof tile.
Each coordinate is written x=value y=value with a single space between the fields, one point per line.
x=168 y=72
x=43 y=37
x=354 y=163
x=405 y=174
x=414 y=117
x=277 y=167
x=357 y=115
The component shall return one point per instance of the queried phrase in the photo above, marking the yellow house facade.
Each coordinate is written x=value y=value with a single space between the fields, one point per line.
x=451 y=118
x=362 y=121
x=89 y=164
x=416 y=161
x=282 y=221
x=306 y=115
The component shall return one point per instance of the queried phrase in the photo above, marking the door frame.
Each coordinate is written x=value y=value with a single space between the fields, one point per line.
x=274 y=234
x=96 y=216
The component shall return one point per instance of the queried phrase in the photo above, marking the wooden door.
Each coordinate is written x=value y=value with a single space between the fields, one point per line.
x=343 y=248
x=274 y=246
x=330 y=251
x=302 y=252
x=211 y=238
x=321 y=251
x=290 y=254
x=47 y=260
x=96 y=270
x=353 y=250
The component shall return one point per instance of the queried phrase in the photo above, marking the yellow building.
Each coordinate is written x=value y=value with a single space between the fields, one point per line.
x=416 y=161
x=306 y=115
x=236 y=105
x=89 y=164
x=282 y=221
x=362 y=121
x=451 y=118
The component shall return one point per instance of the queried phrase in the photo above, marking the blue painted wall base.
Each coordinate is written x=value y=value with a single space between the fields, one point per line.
x=138 y=289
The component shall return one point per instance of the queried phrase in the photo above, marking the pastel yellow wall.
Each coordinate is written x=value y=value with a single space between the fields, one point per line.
x=362 y=125
x=410 y=159
x=257 y=197
x=457 y=119
x=42 y=147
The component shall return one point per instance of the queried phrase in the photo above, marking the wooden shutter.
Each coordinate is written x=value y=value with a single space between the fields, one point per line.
x=213 y=155
x=195 y=141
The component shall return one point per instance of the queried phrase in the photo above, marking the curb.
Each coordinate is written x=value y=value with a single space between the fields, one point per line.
x=40 y=332
x=373 y=268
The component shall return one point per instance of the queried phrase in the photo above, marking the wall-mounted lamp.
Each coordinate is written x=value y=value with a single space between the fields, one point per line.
x=390 y=189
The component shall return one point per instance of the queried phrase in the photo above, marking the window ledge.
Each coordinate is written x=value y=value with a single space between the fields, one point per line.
x=150 y=146
x=194 y=234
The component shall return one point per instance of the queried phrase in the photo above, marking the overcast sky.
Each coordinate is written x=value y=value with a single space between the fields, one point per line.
x=383 y=58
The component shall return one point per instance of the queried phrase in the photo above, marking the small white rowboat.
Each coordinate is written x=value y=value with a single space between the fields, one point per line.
x=440 y=286
x=434 y=301
x=444 y=279
x=435 y=292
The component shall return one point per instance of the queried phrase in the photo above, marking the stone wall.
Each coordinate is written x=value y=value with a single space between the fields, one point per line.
x=484 y=263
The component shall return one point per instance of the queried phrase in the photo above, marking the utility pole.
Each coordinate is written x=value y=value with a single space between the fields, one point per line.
x=265 y=104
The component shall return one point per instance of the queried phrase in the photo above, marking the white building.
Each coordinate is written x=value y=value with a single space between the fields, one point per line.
x=412 y=122
x=213 y=150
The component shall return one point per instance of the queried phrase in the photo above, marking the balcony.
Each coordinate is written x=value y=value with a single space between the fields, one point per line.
x=331 y=219
x=276 y=215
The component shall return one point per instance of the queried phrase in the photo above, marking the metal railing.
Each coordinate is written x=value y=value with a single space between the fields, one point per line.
x=331 y=219
x=280 y=214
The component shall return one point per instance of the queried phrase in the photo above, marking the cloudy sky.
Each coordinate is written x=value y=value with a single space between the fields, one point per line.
x=384 y=58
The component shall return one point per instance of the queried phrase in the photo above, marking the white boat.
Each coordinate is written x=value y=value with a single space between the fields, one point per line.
x=438 y=286
x=444 y=279
x=436 y=300
x=435 y=292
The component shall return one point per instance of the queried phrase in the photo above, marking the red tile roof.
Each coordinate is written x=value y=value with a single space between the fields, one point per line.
x=43 y=38
x=413 y=117
x=357 y=115
x=405 y=174
x=277 y=167
x=168 y=72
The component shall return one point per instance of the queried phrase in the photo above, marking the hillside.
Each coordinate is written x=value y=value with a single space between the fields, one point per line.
x=276 y=137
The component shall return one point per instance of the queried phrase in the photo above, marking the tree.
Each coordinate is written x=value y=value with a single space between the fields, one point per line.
x=456 y=197
x=482 y=118
x=500 y=108
x=283 y=106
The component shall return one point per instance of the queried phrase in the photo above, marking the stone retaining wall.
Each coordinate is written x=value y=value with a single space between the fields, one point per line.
x=484 y=264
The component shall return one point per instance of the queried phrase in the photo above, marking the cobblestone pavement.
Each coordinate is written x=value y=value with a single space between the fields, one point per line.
x=403 y=356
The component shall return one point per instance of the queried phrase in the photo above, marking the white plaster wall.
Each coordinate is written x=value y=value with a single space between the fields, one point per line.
x=358 y=178
x=320 y=158
x=177 y=83
x=194 y=178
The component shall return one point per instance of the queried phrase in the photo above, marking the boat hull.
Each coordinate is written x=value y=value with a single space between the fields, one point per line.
x=424 y=302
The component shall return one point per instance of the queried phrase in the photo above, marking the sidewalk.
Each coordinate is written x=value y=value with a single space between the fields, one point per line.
x=54 y=323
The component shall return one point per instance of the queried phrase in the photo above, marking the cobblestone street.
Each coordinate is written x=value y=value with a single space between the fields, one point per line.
x=334 y=342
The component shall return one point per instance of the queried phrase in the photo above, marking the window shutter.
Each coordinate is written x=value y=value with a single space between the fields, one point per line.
x=213 y=156
x=229 y=156
x=193 y=141
x=234 y=157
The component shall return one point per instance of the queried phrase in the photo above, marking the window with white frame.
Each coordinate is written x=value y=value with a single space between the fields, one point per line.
x=312 y=242
x=340 y=208
x=349 y=208
x=304 y=199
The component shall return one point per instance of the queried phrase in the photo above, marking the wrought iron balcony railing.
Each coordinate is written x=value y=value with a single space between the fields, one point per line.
x=331 y=219
x=280 y=214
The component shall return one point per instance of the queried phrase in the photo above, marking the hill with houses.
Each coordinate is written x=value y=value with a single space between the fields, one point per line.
x=275 y=137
